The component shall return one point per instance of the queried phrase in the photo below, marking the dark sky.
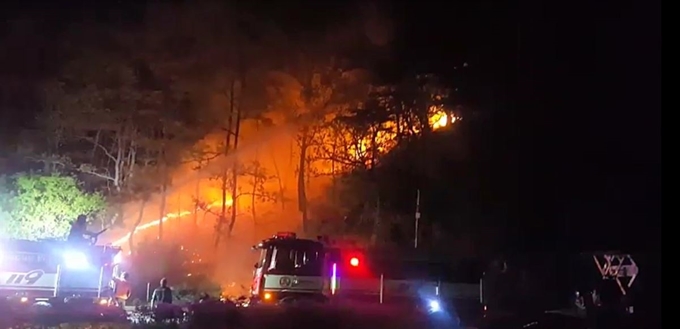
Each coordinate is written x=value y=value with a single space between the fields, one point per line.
x=589 y=91
x=574 y=88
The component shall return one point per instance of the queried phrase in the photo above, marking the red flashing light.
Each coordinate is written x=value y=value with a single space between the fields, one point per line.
x=286 y=235
x=354 y=261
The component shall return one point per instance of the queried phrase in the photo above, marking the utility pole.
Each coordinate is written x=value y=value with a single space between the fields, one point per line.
x=417 y=220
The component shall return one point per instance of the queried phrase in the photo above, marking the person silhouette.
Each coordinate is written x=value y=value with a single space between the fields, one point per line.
x=79 y=231
x=162 y=294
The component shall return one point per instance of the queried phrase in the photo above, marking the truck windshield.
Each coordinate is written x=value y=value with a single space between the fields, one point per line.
x=296 y=260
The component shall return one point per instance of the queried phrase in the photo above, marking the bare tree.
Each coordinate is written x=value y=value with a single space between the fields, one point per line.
x=257 y=178
x=312 y=95
x=104 y=112
x=115 y=118
x=200 y=156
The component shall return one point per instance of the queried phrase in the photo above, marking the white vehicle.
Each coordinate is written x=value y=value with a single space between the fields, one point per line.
x=290 y=269
x=55 y=271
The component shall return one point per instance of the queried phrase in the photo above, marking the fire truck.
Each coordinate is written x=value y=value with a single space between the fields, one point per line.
x=56 y=271
x=290 y=268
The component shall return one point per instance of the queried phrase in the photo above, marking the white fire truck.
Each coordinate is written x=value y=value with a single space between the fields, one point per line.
x=290 y=269
x=56 y=271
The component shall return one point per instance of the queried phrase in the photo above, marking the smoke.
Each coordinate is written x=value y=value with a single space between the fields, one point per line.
x=231 y=263
x=377 y=26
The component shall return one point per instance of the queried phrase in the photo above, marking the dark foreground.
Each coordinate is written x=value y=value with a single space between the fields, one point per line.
x=310 y=317
x=352 y=316
x=298 y=317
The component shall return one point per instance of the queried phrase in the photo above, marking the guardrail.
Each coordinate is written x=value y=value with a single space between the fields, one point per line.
x=383 y=288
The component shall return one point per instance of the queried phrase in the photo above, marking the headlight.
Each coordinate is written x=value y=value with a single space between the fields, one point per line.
x=75 y=260
x=434 y=306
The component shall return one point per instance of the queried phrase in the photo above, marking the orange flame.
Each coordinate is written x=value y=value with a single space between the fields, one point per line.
x=438 y=119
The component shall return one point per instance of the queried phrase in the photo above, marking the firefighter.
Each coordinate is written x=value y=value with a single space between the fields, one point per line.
x=162 y=294
x=122 y=289
x=161 y=303
x=79 y=231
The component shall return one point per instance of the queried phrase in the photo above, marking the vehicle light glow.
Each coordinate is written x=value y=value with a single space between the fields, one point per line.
x=334 y=279
x=354 y=261
x=434 y=306
x=75 y=260
x=267 y=296
x=286 y=235
x=118 y=258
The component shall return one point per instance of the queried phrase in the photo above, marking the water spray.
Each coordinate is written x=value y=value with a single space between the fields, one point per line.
x=175 y=215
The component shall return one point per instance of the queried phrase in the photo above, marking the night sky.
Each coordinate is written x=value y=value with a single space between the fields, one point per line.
x=574 y=89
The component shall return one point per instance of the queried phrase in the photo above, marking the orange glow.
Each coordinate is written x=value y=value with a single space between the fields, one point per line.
x=278 y=154
x=179 y=214
x=439 y=119
x=359 y=148
x=267 y=296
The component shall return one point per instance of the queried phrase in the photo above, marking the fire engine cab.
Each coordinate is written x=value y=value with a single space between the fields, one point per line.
x=290 y=269
x=55 y=271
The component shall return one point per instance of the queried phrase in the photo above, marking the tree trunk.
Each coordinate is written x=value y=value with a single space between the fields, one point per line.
x=197 y=193
x=256 y=178
x=377 y=222
x=234 y=171
x=334 y=183
x=252 y=201
x=164 y=196
x=302 y=193
x=234 y=191
x=164 y=186
x=223 y=210
x=237 y=130
x=140 y=216
x=371 y=171
x=225 y=172
x=282 y=194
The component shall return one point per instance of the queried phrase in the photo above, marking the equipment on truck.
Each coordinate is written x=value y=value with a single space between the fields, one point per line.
x=57 y=271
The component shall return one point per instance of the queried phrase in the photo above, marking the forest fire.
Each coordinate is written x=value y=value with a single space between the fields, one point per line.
x=276 y=144
x=174 y=215
x=441 y=119
x=438 y=119
x=383 y=139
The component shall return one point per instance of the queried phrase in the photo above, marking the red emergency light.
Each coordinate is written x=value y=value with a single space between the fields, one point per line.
x=354 y=261
x=285 y=235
